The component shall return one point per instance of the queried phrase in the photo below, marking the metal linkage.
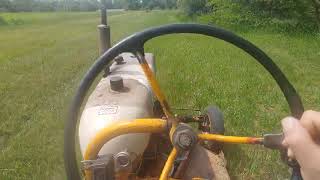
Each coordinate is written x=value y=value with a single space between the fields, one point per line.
x=168 y=165
x=231 y=139
x=117 y=129
x=101 y=168
x=154 y=84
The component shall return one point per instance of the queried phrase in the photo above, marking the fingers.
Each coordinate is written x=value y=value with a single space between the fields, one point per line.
x=302 y=140
x=302 y=147
x=310 y=120
x=298 y=140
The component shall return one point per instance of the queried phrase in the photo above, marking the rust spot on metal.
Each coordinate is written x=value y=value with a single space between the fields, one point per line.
x=253 y=140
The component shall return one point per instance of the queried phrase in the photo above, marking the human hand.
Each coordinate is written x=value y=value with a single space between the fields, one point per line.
x=302 y=140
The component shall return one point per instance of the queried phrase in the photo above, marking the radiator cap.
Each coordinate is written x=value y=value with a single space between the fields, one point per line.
x=116 y=83
x=119 y=60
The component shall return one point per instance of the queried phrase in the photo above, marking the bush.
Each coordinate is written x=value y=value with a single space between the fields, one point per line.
x=234 y=15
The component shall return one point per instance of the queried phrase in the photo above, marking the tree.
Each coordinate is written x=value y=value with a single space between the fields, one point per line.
x=22 y=5
x=89 y=5
x=120 y=4
x=171 y=4
x=193 y=7
x=5 y=5
x=134 y=4
x=316 y=6
x=80 y=5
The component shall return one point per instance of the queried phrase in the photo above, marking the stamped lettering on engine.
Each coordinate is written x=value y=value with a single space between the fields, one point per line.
x=108 y=109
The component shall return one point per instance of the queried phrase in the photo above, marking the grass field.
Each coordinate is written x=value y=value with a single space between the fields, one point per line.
x=44 y=56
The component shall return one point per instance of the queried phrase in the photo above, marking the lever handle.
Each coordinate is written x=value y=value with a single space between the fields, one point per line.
x=273 y=141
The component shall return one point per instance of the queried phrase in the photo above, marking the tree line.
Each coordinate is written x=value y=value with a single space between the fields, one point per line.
x=81 y=5
x=304 y=14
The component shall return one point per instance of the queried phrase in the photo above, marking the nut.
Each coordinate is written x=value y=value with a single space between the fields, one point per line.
x=184 y=137
x=122 y=159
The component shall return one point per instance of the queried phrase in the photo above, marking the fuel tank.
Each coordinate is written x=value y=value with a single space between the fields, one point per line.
x=123 y=95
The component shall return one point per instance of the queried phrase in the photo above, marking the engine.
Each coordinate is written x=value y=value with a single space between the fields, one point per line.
x=123 y=94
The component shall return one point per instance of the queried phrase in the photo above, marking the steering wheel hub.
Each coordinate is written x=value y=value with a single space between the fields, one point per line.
x=184 y=137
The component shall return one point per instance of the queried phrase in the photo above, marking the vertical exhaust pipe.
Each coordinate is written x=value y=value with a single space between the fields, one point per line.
x=104 y=29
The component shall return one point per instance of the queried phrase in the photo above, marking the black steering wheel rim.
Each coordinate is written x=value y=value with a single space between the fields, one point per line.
x=135 y=43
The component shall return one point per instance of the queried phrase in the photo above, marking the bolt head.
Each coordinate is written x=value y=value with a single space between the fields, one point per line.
x=122 y=159
x=184 y=137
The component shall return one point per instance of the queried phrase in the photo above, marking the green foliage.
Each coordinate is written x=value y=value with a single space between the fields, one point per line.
x=152 y=4
x=82 y=5
x=5 y=5
x=8 y=19
x=194 y=7
x=48 y=5
x=279 y=15
x=134 y=4
x=120 y=4
x=299 y=10
x=248 y=15
x=24 y=5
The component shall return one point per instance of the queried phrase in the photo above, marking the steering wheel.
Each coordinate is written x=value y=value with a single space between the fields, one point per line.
x=135 y=44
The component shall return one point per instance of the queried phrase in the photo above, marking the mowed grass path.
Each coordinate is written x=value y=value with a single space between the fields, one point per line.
x=41 y=64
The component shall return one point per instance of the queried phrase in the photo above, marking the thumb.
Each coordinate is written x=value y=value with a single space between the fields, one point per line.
x=298 y=140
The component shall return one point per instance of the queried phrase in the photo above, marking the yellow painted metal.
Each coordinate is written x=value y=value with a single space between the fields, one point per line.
x=107 y=133
x=168 y=166
x=151 y=126
x=230 y=139
x=156 y=88
x=157 y=91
